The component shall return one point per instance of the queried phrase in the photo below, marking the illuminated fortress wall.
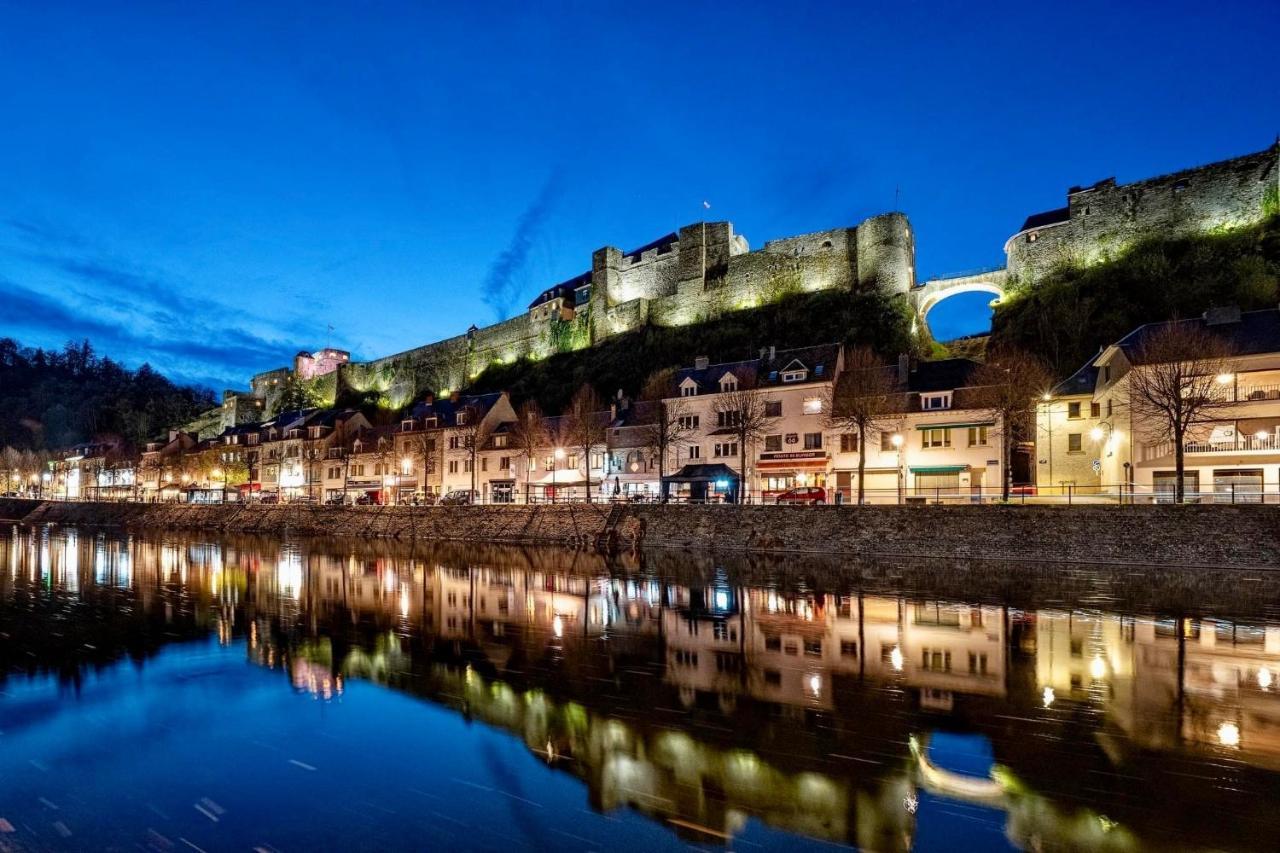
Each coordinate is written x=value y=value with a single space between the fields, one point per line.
x=1102 y=220
x=683 y=278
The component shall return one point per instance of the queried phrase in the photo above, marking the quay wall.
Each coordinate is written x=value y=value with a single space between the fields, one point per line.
x=1193 y=535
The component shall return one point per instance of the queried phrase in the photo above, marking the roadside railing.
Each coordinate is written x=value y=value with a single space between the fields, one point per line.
x=1054 y=495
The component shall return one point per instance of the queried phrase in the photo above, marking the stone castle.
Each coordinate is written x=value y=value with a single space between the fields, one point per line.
x=705 y=269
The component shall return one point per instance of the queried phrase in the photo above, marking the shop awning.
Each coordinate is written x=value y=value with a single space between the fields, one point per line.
x=792 y=465
x=702 y=474
x=962 y=425
x=940 y=469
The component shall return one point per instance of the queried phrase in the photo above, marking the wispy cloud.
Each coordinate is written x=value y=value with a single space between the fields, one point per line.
x=502 y=283
x=133 y=314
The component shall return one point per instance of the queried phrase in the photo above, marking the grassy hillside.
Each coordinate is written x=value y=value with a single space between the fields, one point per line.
x=1067 y=316
x=623 y=361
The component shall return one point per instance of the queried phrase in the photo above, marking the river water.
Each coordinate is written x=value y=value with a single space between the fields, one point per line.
x=177 y=692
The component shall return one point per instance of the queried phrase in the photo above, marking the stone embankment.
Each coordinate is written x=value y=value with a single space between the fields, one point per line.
x=1245 y=536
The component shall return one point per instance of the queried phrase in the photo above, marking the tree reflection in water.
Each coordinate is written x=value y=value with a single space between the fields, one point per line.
x=705 y=693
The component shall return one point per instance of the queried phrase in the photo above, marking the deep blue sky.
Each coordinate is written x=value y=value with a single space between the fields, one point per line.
x=208 y=186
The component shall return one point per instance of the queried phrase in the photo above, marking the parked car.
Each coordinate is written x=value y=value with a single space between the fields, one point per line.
x=271 y=498
x=460 y=497
x=337 y=500
x=811 y=495
x=366 y=500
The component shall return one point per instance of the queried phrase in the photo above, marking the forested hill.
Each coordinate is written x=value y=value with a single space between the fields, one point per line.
x=51 y=399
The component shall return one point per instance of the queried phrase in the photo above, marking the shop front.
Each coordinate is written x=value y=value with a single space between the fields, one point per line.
x=782 y=472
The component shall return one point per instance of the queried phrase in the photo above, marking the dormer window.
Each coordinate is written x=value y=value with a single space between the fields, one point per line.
x=430 y=422
x=406 y=426
x=934 y=402
x=795 y=372
x=728 y=383
x=461 y=419
x=688 y=388
x=315 y=432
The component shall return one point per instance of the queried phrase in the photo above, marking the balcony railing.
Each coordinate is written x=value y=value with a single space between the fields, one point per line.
x=1252 y=393
x=1241 y=443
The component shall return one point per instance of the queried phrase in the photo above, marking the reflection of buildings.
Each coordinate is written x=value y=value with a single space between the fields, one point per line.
x=701 y=702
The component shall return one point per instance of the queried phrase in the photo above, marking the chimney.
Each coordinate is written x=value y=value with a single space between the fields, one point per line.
x=454 y=396
x=702 y=362
x=773 y=352
x=904 y=368
x=429 y=398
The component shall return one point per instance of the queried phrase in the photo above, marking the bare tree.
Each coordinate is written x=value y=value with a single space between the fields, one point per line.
x=11 y=460
x=586 y=426
x=528 y=435
x=1173 y=386
x=473 y=432
x=865 y=401
x=1006 y=386
x=744 y=414
x=422 y=445
x=669 y=422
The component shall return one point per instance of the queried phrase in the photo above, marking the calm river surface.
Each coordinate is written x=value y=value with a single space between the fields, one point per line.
x=177 y=692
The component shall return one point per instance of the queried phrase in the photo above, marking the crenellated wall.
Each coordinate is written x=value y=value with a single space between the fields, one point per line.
x=685 y=277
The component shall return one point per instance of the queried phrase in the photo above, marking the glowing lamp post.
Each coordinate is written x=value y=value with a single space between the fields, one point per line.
x=897 y=441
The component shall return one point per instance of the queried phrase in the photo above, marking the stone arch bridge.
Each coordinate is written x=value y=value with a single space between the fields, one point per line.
x=926 y=296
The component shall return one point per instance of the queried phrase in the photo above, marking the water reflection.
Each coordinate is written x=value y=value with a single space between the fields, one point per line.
x=884 y=705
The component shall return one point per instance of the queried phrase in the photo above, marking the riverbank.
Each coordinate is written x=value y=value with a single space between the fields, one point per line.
x=1193 y=535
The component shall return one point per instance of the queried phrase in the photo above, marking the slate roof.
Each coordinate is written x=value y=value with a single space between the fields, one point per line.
x=1253 y=333
x=1083 y=381
x=1048 y=217
x=446 y=408
x=819 y=360
x=564 y=289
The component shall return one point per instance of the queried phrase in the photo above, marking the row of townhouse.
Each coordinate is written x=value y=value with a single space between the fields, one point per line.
x=936 y=442
x=686 y=444
x=1096 y=438
x=936 y=439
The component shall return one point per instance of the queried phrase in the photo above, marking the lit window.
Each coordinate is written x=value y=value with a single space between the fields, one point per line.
x=813 y=406
x=978 y=436
x=936 y=438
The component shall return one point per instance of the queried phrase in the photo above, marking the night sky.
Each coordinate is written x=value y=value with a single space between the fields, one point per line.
x=207 y=187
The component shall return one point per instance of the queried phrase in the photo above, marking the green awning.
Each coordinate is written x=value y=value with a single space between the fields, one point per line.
x=956 y=426
x=940 y=469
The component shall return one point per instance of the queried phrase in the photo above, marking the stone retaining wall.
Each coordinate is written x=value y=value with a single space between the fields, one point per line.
x=1242 y=536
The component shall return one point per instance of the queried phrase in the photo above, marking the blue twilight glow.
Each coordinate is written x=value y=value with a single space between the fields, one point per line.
x=208 y=186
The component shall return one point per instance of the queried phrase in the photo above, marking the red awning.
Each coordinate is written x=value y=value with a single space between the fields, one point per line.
x=792 y=465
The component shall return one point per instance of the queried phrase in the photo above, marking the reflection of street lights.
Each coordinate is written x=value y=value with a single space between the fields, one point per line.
x=897 y=441
x=555 y=471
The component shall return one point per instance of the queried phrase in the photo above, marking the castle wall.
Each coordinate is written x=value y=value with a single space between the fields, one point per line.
x=695 y=275
x=1106 y=218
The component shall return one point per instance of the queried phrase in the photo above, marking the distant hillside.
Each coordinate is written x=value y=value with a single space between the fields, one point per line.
x=623 y=361
x=1069 y=314
x=51 y=399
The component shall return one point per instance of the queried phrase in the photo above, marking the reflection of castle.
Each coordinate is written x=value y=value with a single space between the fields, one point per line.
x=702 y=702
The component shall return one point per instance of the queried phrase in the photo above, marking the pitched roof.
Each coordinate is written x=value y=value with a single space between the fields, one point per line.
x=1048 y=217
x=1245 y=333
x=1083 y=381
x=765 y=371
x=946 y=374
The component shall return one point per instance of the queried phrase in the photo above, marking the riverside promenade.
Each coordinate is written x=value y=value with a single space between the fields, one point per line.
x=1244 y=536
